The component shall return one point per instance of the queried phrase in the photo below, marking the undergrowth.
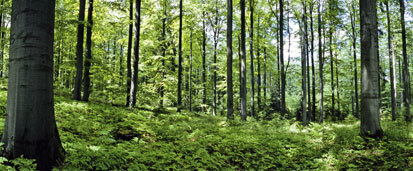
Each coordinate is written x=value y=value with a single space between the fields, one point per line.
x=98 y=136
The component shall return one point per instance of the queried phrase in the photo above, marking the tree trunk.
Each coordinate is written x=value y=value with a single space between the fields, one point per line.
x=162 y=88
x=243 y=81
x=392 y=63
x=304 y=66
x=79 y=51
x=258 y=68
x=307 y=55
x=252 y=56
x=134 y=83
x=129 y=53
x=283 y=82
x=370 y=102
x=230 y=95
x=312 y=60
x=338 y=90
x=321 y=63
x=2 y=39
x=30 y=126
x=190 y=76
x=406 y=75
x=88 y=60
x=204 y=37
x=180 y=59
x=353 y=28
x=216 y=36
x=265 y=75
x=332 y=72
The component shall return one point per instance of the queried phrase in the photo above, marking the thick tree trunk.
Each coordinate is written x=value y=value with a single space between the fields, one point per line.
x=30 y=126
x=88 y=60
x=283 y=82
x=180 y=59
x=370 y=102
x=134 y=83
x=129 y=53
x=243 y=81
x=230 y=95
x=252 y=57
x=353 y=28
x=79 y=51
x=392 y=63
x=406 y=75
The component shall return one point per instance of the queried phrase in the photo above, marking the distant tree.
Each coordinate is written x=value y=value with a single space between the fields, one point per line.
x=370 y=101
x=252 y=56
x=134 y=83
x=30 y=127
x=406 y=75
x=243 y=80
x=79 y=51
x=180 y=59
x=354 y=37
x=88 y=60
x=129 y=53
x=230 y=94
x=392 y=63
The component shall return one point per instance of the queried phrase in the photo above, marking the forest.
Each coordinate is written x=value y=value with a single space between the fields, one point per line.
x=206 y=85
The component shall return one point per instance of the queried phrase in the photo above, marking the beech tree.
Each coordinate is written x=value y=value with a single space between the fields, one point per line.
x=30 y=127
x=77 y=93
x=134 y=82
x=230 y=102
x=243 y=79
x=88 y=60
x=370 y=98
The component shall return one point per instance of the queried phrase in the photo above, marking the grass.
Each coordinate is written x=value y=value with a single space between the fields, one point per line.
x=99 y=136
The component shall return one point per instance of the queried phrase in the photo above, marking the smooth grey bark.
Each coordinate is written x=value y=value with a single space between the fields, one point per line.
x=283 y=82
x=30 y=126
x=304 y=54
x=243 y=81
x=129 y=53
x=77 y=93
x=370 y=101
x=307 y=55
x=392 y=63
x=180 y=59
x=230 y=93
x=312 y=62
x=252 y=56
x=332 y=71
x=321 y=63
x=88 y=60
x=353 y=28
x=135 y=62
x=265 y=75
x=406 y=75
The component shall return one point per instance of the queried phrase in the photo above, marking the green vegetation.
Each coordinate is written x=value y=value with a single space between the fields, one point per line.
x=98 y=136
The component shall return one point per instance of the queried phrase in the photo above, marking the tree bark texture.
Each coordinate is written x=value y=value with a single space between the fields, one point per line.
x=88 y=60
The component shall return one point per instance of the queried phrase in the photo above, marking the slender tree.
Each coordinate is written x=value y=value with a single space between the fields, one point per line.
x=406 y=75
x=258 y=67
x=30 y=127
x=2 y=38
x=129 y=53
x=392 y=63
x=370 y=101
x=190 y=74
x=134 y=83
x=353 y=28
x=88 y=60
x=204 y=38
x=283 y=82
x=79 y=51
x=331 y=64
x=321 y=63
x=180 y=59
x=243 y=80
x=312 y=61
x=304 y=54
x=308 y=64
x=252 y=56
x=230 y=95
x=162 y=89
x=265 y=75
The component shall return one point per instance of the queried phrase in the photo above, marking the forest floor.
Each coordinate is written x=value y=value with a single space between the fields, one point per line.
x=99 y=136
